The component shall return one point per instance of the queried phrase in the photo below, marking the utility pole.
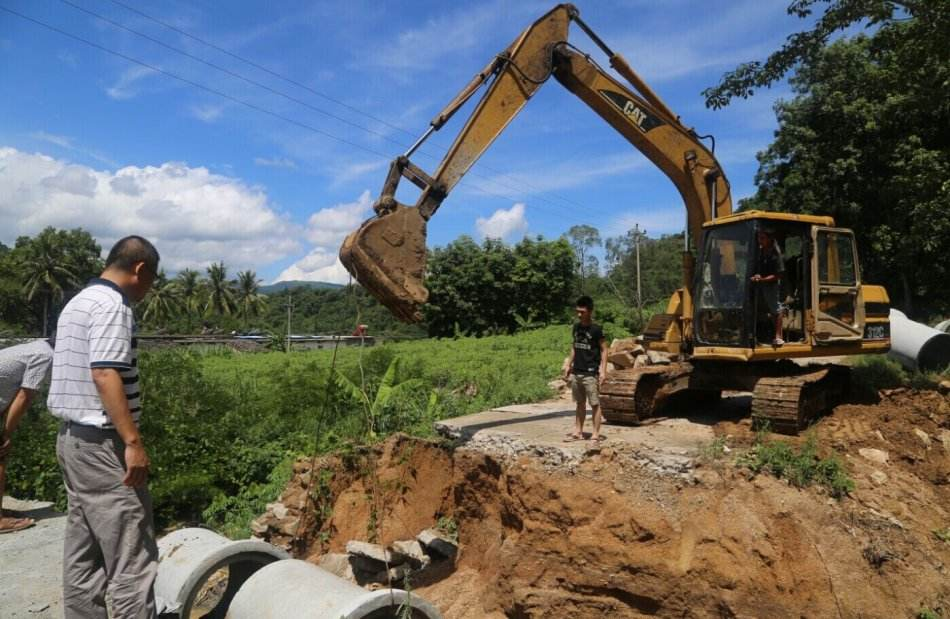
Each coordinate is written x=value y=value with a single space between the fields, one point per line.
x=290 y=308
x=636 y=235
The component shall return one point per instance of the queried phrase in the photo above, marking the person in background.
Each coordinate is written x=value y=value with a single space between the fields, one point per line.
x=586 y=368
x=110 y=538
x=24 y=369
x=769 y=270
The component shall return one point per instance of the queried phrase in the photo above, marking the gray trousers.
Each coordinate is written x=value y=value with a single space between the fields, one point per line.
x=110 y=540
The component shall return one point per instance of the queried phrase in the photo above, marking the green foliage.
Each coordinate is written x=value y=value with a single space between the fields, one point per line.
x=929 y=613
x=713 y=450
x=802 y=466
x=865 y=141
x=929 y=25
x=222 y=429
x=448 y=527
x=39 y=274
x=582 y=239
x=486 y=288
x=871 y=373
x=942 y=534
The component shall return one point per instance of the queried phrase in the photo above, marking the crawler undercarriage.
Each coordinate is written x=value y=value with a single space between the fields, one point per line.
x=785 y=396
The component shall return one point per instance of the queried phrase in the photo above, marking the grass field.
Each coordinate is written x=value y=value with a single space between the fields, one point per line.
x=222 y=428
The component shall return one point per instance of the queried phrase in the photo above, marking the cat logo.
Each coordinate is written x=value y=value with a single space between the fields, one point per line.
x=637 y=115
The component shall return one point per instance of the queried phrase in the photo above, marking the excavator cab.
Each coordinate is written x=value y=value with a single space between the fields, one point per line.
x=818 y=297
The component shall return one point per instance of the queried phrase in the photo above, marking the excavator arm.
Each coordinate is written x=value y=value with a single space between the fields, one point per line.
x=387 y=254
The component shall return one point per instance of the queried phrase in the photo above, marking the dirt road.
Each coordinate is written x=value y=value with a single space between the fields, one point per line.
x=31 y=563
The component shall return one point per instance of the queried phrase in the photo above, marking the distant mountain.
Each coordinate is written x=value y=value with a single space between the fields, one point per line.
x=281 y=286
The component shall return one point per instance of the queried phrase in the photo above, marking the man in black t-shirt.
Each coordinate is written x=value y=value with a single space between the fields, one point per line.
x=588 y=365
x=769 y=271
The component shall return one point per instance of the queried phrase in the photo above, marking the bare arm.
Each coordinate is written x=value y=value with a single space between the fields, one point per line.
x=21 y=402
x=112 y=393
x=570 y=364
x=603 y=360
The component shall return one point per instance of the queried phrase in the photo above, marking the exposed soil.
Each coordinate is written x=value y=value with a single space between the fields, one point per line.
x=610 y=537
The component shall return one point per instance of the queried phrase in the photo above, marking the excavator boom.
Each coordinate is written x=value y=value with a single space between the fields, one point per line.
x=387 y=254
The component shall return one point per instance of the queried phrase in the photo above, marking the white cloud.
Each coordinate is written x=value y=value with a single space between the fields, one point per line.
x=503 y=224
x=329 y=226
x=125 y=86
x=275 y=162
x=320 y=265
x=206 y=113
x=326 y=229
x=193 y=216
x=52 y=138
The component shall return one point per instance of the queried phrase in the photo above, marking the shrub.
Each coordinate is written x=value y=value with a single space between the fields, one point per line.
x=872 y=373
x=800 y=466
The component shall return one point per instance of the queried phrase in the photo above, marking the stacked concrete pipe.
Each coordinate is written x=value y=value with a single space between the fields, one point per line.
x=917 y=346
x=297 y=589
x=189 y=557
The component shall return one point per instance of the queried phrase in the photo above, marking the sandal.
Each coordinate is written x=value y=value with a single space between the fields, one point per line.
x=598 y=439
x=573 y=438
x=11 y=525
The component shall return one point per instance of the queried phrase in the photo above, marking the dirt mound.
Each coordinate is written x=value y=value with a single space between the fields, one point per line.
x=614 y=538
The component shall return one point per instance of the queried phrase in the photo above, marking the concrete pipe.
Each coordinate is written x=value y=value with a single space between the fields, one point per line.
x=189 y=558
x=943 y=327
x=297 y=589
x=918 y=346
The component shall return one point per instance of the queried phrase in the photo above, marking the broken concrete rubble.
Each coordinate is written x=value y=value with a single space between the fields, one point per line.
x=438 y=542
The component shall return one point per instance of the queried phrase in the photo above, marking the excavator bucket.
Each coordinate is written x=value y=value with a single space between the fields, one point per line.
x=387 y=256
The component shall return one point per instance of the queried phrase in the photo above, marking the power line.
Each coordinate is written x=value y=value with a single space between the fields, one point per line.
x=224 y=95
x=267 y=88
x=309 y=89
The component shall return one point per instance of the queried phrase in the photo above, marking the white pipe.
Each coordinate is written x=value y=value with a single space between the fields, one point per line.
x=943 y=326
x=917 y=346
x=188 y=557
x=299 y=590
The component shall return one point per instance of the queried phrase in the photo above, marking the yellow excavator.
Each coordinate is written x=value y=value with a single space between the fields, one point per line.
x=716 y=333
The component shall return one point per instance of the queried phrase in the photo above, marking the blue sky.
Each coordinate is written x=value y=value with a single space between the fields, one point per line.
x=90 y=139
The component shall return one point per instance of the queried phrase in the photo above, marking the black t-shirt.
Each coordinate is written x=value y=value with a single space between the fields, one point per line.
x=587 y=341
x=770 y=262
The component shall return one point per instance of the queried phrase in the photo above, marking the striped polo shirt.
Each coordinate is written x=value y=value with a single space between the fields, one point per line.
x=95 y=330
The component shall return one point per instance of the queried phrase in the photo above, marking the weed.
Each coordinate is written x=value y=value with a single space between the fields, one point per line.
x=872 y=373
x=448 y=527
x=713 y=450
x=800 y=466
x=942 y=534
x=928 y=613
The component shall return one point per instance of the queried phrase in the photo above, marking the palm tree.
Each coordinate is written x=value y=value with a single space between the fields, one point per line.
x=220 y=294
x=162 y=301
x=190 y=292
x=249 y=300
x=46 y=274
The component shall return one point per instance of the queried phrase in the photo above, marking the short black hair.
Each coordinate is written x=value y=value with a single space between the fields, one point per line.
x=585 y=301
x=131 y=249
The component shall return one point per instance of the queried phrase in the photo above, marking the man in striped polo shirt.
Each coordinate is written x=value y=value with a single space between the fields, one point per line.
x=110 y=539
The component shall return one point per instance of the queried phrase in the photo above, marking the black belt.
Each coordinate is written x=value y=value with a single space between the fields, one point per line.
x=90 y=433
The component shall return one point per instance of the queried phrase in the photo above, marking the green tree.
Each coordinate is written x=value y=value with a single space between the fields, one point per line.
x=923 y=25
x=55 y=264
x=867 y=141
x=488 y=288
x=162 y=302
x=249 y=300
x=583 y=238
x=191 y=294
x=220 y=299
x=390 y=386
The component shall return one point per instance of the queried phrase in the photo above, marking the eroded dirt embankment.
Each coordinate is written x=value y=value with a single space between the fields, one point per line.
x=612 y=538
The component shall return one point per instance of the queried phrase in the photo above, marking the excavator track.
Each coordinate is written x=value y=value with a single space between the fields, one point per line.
x=787 y=404
x=632 y=395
